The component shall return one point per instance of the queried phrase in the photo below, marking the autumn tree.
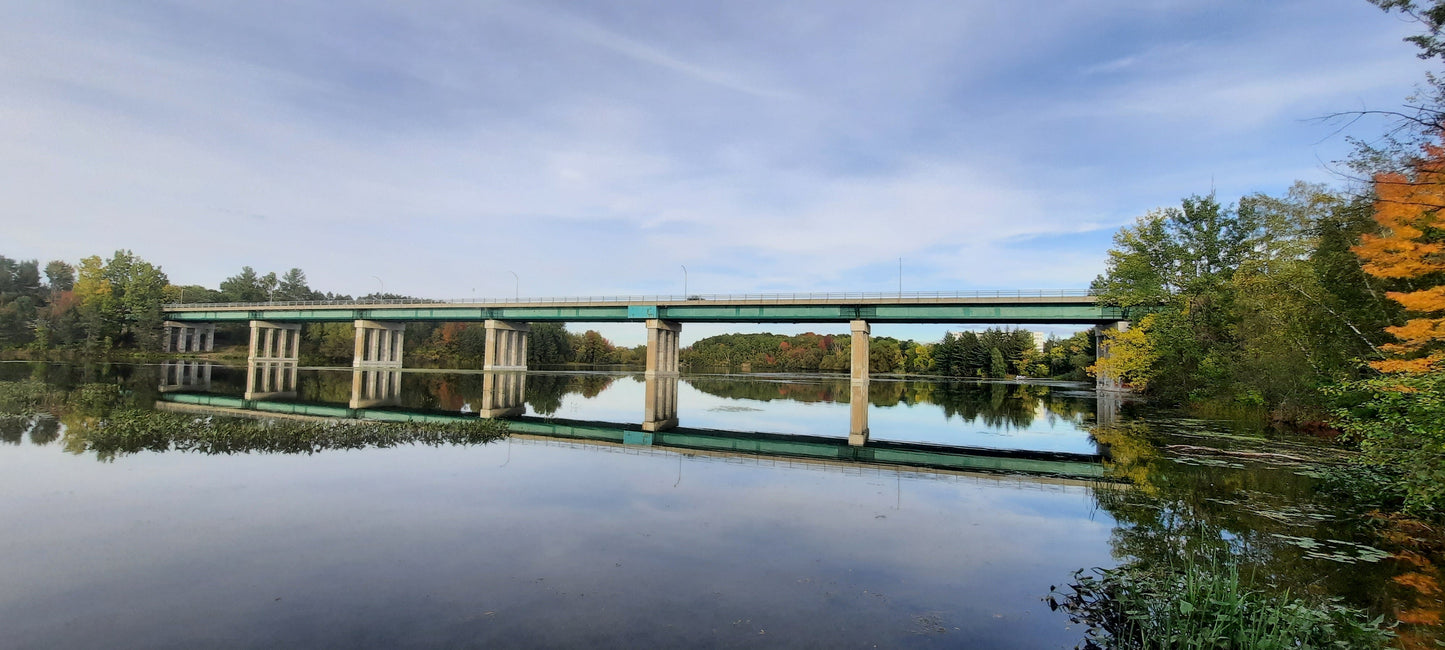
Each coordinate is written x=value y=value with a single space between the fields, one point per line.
x=1411 y=248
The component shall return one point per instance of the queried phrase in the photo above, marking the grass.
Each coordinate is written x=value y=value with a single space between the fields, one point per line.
x=1205 y=604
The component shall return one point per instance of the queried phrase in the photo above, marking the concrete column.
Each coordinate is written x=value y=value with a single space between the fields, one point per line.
x=356 y=357
x=373 y=346
x=505 y=345
x=659 y=411
x=384 y=345
x=166 y=342
x=1104 y=381
x=255 y=337
x=211 y=337
x=399 y=348
x=662 y=337
x=181 y=339
x=196 y=339
x=268 y=342
x=860 y=350
x=858 y=414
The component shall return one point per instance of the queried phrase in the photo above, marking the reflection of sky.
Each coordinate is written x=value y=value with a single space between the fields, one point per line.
x=623 y=402
x=524 y=543
x=624 y=399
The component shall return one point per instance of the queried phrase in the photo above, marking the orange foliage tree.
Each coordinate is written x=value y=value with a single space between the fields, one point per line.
x=1411 y=248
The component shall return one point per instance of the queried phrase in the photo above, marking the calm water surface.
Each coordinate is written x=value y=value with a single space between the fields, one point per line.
x=543 y=542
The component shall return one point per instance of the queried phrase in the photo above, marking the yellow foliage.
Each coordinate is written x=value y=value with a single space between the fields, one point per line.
x=1130 y=355
x=1408 y=211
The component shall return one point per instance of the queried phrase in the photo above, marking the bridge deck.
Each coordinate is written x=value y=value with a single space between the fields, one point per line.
x=972 y=307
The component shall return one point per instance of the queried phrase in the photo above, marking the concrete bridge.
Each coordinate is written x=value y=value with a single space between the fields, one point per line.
x=380 y=324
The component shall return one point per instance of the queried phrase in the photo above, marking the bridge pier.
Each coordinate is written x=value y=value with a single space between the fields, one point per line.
x=271 y=379
x=1104 y=381
x=659 y=413
x=503 y=394
x=378 y=344
x=858 y=414
x=506 y=346
x=662 y=340
x=185 y=376
x=860 y=350
x=274 y=341
x=189 y=337
x=371 y=388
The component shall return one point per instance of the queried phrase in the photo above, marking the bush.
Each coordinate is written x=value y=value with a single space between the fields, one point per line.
x=1204 y=604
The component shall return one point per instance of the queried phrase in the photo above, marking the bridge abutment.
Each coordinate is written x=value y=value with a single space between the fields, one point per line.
x=662 y=344
x=274 y=341
x=1104 y=381
x=189 y=337
x=506 y=346
x=379 y=344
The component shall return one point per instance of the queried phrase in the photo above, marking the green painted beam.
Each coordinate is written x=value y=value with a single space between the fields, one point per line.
x=1014 y=312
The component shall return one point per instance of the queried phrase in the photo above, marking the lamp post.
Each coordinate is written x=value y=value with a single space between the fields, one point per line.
x=383 y=288
x=684 y=281
x=516 y=286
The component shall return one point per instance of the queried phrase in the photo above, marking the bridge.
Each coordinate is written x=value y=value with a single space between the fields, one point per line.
x=381 y=324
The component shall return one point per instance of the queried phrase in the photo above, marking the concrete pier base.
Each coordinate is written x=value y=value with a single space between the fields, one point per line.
x=662 y=347
x=506 y=346
x=188 y=337
x=659 y=413
x=860 y=350
x=378 y=344
x=1104 y=382
x=274 y=341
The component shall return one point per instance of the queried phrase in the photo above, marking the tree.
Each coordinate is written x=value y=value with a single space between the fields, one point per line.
x=246 y=286
x=1411 y=248
x=292 y=286
x=59 y=276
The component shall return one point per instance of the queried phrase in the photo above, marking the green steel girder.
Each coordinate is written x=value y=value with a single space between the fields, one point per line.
x=720 y=313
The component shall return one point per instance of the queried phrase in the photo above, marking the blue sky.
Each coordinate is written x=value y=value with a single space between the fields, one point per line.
x=595 y=148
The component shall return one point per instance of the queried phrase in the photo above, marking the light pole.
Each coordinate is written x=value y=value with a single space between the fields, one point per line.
x=516 y=286
x=684 y=280
x=900 y=277
x=383 y=288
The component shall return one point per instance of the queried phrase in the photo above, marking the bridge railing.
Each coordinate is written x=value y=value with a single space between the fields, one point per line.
x=905 y=296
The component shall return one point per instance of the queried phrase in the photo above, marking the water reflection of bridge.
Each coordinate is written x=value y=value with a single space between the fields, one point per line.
x=376 y=393
x=803 y=448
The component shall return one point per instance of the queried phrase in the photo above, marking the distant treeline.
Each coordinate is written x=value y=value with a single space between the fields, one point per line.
x=991 y=353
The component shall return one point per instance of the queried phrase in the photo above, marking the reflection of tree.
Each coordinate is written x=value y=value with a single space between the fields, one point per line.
x=1177 y=509
x=13 y=427
x=45 y=430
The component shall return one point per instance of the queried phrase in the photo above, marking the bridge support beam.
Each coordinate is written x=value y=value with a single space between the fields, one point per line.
x=858 y=414
x=662 y=340
x=189 y=337
x=506 y=347
x=1104 y=381
x=860 y=350
x=184 y=375
x=378 y=344
x=659 y=413
x=274 y=341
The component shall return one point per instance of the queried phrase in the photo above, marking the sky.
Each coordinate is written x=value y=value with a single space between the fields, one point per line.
x=436 y=149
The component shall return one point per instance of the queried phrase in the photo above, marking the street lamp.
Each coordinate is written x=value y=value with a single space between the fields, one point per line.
x=517 y=286
x=684 y=280
x=383 y=288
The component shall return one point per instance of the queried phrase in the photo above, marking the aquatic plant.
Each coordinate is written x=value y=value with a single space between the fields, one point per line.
x=131 y=431
x=1205 y=603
